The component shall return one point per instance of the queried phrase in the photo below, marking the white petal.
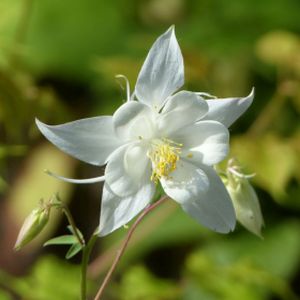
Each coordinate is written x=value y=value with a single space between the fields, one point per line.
x=186 y=183
x=227 y=110
x=213 y=209
x=205 y=141
x=91 y=140
x=133 y=121
x=182 y=109
x=116 y=211
x=127 y=169
x=162 y=72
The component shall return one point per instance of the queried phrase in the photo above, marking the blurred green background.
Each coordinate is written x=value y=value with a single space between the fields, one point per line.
x=58 y=60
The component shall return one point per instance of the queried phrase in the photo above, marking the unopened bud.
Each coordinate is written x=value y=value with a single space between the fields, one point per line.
x=33 y=225
x=245 y=200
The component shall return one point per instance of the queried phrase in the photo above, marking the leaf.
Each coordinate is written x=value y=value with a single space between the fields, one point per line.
x=74 y=249
x=272 y=159
x=139 y=283
x=78 y=231
x=62 y=240
x=243 y=266
x=72 y=231
x=279 y=48
x=48 y=274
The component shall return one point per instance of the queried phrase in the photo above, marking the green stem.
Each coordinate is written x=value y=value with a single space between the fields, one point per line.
x=56 y=201
x=86 y=248
x=86 y=252
x=71 y=221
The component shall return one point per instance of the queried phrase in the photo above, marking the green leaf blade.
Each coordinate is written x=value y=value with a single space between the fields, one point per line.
x=74 y=249
x=62 y=240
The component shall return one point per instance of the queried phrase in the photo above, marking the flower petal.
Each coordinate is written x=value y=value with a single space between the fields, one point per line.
x=186 y=183
x=133 y=121
x=162 y=72
x=182 y=109
x=227 y=110
x=127 y=169
x=206 y=142
x=117 y=211
x=213 y=209
x=91 y=140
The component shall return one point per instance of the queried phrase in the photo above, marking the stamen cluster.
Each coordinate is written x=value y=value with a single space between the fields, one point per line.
x=164 y=157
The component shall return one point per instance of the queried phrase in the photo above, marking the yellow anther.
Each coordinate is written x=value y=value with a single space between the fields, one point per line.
x=190 y=155
x=164 y=157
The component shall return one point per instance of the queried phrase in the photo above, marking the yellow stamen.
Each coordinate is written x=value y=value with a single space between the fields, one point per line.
x=164 y=156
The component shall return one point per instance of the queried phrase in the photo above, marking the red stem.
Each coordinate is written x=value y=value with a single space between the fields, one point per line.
x=126 y=241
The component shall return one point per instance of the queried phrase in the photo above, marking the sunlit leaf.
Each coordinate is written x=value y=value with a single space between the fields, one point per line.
x=50 y=278
x=279 y=47
x=74 y=249
x=273 y=160
x=245 y=267
x=78 y=231
x=138 y=284
x=62 y=240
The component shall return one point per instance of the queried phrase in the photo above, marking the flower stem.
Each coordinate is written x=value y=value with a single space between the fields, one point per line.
x=125 y=243
x=86 y=248
x=86 y=252
x=71 y=221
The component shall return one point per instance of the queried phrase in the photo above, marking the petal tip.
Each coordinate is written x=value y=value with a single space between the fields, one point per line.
x=172 y=29
x=252 y=93
x=37 y=122
x=41 y=126
x=248 y=99
x=170 y=33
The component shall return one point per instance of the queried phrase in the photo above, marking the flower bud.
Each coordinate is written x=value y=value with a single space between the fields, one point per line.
x=245 y=200
x=33 y=225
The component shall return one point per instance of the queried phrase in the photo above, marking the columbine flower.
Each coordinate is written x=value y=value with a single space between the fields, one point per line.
x=244 y=198
x=157 y=136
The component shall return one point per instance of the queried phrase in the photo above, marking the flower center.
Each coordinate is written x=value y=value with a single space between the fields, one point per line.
x=164 y=156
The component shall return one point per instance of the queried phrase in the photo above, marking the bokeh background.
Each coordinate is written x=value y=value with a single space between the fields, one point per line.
x=58 y=61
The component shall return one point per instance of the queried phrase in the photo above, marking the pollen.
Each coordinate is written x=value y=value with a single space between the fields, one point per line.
x=164 y=156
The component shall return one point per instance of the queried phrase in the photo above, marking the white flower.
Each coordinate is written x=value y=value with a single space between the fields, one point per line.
x=244 y=198
x=174 y=139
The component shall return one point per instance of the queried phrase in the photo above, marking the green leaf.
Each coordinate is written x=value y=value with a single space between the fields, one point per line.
x=78 y=231
x=245 y=267
x=74 y=249
x=48 y=273
x=277 y=47
x=62 y=240
x=272 y=159
x=139 y=283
